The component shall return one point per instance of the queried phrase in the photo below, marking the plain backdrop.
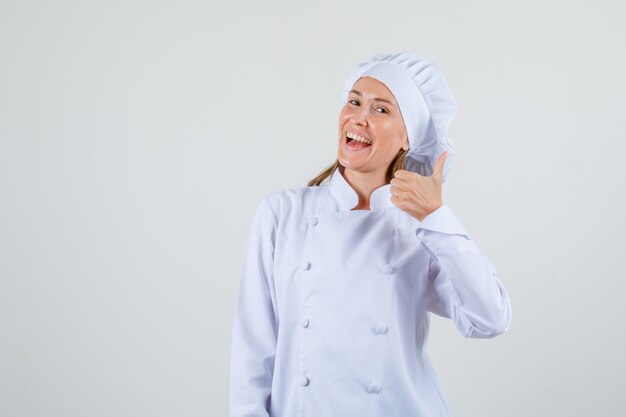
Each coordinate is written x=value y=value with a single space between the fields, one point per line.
x=137 y=137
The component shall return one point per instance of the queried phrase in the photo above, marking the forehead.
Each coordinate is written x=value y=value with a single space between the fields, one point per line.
x=369 y=86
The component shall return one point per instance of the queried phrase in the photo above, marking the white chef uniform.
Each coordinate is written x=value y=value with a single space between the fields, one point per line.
x=332 y=311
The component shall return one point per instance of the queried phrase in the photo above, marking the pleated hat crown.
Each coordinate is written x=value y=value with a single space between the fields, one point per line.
x=426 y=104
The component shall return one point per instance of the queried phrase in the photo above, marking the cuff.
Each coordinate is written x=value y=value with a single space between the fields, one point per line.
x=442 y=220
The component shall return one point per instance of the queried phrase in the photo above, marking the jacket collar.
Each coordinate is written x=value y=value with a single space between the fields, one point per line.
x=347 y=198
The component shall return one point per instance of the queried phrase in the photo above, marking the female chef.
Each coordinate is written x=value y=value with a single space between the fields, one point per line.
x=340 y=277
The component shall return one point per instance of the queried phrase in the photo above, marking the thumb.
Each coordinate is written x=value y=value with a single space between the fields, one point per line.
x=438 y=170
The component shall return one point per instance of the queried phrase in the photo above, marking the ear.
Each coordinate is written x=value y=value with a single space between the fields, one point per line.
x=405 y=144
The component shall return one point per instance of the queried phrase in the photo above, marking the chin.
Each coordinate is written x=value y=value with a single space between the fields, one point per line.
x=354 y=167
x=355 y=161
x=347 y=163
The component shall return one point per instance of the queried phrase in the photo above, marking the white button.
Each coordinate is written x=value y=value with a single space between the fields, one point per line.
x=304 y=322
x=306 y=265
x=388 y=269
x=313 y=221
x=380 y=329
x=303 y=380
x=373 y=388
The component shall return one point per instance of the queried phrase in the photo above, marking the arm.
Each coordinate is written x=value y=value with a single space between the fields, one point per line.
x=255 y=324
x=463 y=283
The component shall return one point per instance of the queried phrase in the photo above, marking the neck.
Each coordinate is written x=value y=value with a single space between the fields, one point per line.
x=363 y=183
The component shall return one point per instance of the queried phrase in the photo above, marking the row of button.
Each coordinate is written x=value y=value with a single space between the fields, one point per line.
x=371 y=388
x=313 y=221
x=379 y=329
x=386 y=268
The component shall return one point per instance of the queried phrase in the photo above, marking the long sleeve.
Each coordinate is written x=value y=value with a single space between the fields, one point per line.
x=255 y=325
x=463 y=283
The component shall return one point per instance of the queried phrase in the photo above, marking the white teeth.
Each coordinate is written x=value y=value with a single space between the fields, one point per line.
x=359 y=138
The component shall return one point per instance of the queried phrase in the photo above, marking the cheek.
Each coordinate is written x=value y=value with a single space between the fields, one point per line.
x=399 y=132
x=393 y=137
x=391 y=133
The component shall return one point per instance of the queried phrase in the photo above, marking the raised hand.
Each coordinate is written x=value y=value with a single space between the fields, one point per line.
x=416 y=194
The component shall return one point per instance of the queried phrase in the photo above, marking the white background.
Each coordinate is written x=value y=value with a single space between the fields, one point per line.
x=137 y=137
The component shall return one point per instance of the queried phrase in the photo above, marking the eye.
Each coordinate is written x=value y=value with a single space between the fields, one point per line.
x=356 y=103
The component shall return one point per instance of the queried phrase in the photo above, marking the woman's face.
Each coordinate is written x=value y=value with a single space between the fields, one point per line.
x=372 y=113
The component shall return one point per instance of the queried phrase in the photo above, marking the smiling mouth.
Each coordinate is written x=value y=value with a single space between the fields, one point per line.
x=355 y=140
x=354 y=144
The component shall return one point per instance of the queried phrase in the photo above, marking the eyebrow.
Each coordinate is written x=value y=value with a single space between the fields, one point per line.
x=358 y=93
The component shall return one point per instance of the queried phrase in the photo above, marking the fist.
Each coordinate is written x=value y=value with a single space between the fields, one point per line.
x=416 y=194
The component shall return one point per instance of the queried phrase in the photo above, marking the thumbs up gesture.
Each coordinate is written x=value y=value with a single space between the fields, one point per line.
x=416 y=194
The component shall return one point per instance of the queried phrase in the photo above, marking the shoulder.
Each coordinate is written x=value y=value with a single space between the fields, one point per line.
x=286 y=201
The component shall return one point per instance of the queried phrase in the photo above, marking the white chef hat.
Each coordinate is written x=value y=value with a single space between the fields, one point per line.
x=426 y=104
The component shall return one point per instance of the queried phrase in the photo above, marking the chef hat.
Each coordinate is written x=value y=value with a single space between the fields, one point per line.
x=425 y=101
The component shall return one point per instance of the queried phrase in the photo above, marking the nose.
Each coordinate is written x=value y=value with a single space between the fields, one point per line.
x=359 y=117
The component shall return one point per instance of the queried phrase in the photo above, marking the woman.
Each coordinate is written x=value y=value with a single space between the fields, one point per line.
x=339 y=278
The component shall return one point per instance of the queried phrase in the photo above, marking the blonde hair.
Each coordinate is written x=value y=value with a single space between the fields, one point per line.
x=396 y=164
